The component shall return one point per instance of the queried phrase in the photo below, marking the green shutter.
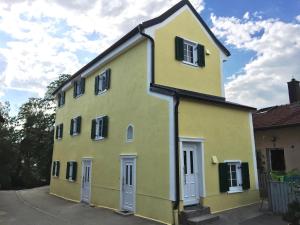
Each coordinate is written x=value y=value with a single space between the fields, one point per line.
x=53 y=168
x=74 y=172
x=201 y=55
x=61 y=130
x=78 y=121
x=56 y=133
x=223 y=177
x=105 y=127
x=82 y=85
x=58 y=168
x=179 y=48
x=71 y=126
x=93 y=130
x=245 y=176
x=96 y=85
x=58 y=100
x=75 y=89
x=63 y=98
x=107 y=74
x=67 y=172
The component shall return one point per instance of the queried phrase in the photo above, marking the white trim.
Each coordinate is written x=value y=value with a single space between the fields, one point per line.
x=115 y=53
x=128 y=155
x=133 y=158
x=233 y=161
x=253 y=150
x=200 y=142
x=171 y=103
x=90 y=192
x=239 y=179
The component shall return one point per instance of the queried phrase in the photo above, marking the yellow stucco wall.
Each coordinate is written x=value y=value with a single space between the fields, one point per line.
x=170 y=72
x=126 y=102
x=287 y=138
x=227 y=136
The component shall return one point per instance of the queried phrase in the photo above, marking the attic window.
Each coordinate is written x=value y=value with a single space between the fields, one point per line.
x=189 y=52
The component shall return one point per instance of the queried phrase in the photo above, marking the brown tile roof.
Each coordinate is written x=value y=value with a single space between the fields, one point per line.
x=277 y=116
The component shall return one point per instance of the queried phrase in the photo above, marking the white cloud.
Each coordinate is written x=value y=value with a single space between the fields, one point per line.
x=277 y=51
x=43 y=38
x=298 y=18
x=246 y=16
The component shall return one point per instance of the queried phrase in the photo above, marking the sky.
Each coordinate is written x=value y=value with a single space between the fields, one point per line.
x=40 y=39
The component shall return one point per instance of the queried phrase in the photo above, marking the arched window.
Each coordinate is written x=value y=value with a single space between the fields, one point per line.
x=130 y=133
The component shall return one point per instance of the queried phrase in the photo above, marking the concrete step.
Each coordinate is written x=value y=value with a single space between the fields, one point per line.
x=195 y=211
x=202 y=220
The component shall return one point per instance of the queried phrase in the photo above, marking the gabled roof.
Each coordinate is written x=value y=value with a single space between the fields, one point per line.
x=197 y=96
x=144 y=25
x=277 y=116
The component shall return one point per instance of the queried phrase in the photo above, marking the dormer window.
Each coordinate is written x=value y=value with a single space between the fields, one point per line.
x=102 y=82
x=79 y=87
x=61 y=99
x=189 y=52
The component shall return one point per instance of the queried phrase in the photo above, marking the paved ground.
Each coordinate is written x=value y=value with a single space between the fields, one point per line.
x=37 y=207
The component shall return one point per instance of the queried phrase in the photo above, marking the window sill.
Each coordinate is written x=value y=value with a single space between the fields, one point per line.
x=190 y=64
x=70 y=180
x=233 y=192
x=59 y=139
x=102 y=92
x=99 y=138
x=75 y=134
x=77 y=96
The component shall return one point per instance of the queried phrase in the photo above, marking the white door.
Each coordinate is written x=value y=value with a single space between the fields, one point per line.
x=86 y=180
x=128 y=184
x=190 y=174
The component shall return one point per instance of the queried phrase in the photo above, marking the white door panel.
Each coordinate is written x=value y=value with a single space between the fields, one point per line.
x=86 y=180
x=128 y=184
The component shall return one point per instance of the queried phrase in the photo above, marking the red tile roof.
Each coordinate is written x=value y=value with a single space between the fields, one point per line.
x=277 y=116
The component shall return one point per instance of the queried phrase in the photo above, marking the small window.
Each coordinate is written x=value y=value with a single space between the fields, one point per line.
x=59 y=131
x=79 y=87
x=130 y=133
x=71 y=171
x=55 y=168
x=75 y=126
x=189 y=52
x=99 y=128
x=102 y=82
x=61 y=99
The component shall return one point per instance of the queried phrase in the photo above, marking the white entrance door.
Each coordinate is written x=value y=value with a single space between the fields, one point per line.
x=128 y=184
x=86 y=180
x=190 y=173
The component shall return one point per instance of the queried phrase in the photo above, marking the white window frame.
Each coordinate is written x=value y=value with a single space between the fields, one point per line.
x=102 y=74
x=97 y=128
x=75 y=124
x=71 y=171
x=238 y=165
x=195 y=55
x=128 y=140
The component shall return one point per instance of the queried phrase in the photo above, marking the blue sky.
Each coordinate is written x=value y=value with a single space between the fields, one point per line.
x=41 y=39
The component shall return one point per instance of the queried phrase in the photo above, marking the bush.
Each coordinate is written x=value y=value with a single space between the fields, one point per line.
x=293 y=214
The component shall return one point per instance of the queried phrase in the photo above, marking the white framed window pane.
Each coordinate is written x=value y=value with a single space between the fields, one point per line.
x=101 y=127
x=71 y=171
x=74 y=126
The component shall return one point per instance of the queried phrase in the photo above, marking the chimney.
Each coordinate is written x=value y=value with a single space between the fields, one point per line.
x=294 y=90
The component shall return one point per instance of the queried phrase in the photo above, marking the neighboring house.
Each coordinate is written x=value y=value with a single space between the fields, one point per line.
x=277 y=133
x=145 y=127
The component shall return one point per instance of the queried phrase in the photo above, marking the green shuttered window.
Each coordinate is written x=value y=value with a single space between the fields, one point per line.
x=71 y=172
x=78 y=87
x=55 y=168
x=189 y=52
x=61 y=99
x=59 y=131
x=102 y=82
x=99 y=129
x=75 y=126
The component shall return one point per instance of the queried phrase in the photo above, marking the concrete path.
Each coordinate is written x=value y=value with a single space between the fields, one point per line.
x=37 y=207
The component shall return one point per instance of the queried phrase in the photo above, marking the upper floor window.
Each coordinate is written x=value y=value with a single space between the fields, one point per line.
x=99 y=128
x=75 y=126
x=59 y=131
x=129 y=134
x=61 y=99
x=79 y=87
x=189 y=52
x=102 y=82
x=55 y=168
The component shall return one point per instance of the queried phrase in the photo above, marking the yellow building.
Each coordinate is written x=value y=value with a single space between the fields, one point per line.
x=144 y=128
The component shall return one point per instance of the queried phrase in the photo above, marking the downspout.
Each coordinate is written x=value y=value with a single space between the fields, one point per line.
x=176 y=132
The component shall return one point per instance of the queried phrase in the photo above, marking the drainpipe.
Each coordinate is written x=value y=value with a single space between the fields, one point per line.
x=177 y=101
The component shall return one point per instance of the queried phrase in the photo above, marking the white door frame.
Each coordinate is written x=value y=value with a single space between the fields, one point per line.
x=133 y=158
x=201 y=192
x=82 y=172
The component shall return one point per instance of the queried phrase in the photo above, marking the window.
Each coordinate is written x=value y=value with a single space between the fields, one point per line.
x=277 y=159
x=102 y=82
x=75 y=126
x=61 y=99
x=59 y=131
x=234 y=176
x=129 y=133
x=55 y=168
x=99 y=128
x=189 y=52
x=71 y=172
x=79 y=87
